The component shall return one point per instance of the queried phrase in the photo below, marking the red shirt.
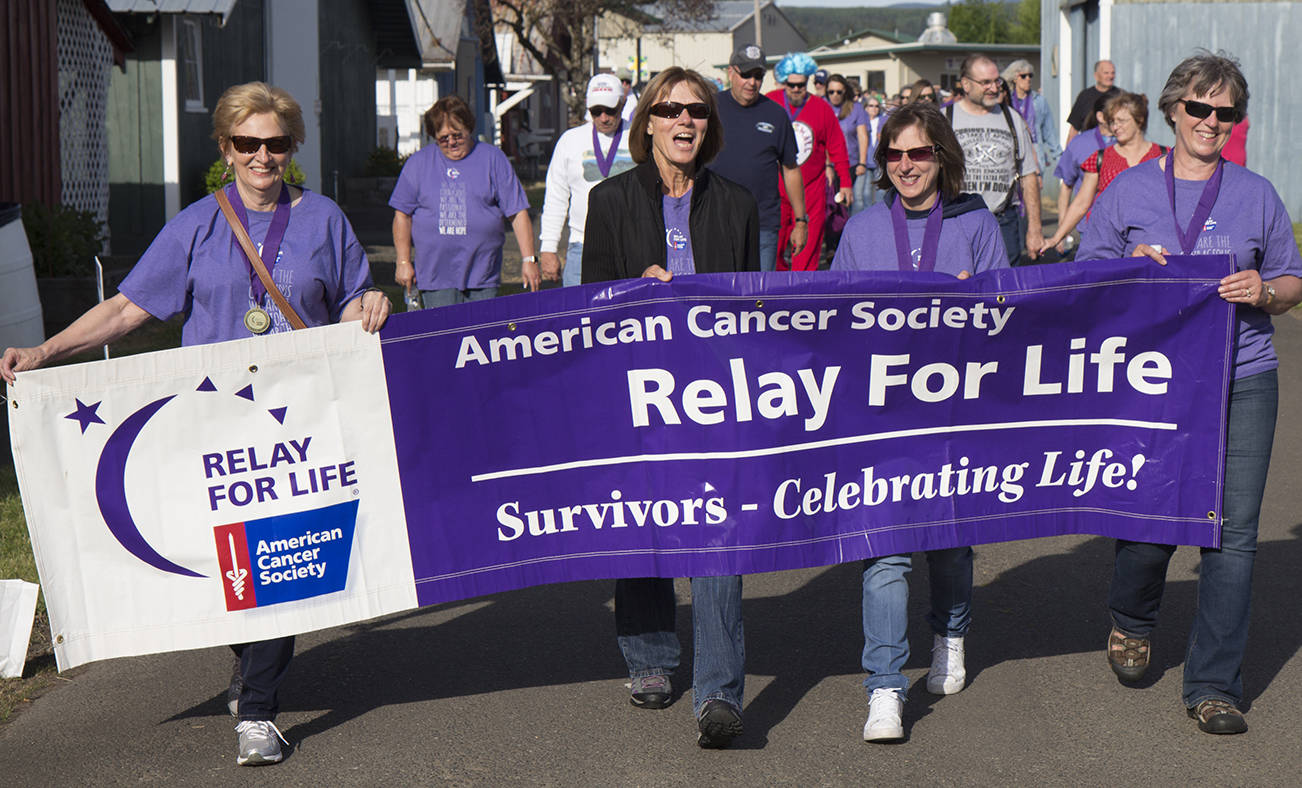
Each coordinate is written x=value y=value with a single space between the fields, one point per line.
x=818 y=140
x=1114 y=164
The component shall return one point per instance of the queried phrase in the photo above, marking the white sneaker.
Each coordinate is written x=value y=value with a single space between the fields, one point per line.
x=885 y=709
x=258 y=745
x=947 y=674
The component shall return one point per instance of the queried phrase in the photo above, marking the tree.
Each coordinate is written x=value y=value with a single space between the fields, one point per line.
x=981 y=21
x=560 y=34
x=1026 y=26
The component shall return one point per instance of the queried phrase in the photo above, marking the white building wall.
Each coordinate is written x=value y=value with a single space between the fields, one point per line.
x=402 y=97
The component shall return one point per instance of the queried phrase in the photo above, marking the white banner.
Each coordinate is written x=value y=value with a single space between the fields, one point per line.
x=210 y=495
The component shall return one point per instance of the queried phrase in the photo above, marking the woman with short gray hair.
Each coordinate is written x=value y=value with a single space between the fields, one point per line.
x=1034 y=109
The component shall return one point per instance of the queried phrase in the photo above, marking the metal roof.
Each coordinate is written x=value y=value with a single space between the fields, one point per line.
x=222 y=8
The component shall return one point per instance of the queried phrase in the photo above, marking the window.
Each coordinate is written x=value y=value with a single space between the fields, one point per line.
x=875 y=81
x=189 y=64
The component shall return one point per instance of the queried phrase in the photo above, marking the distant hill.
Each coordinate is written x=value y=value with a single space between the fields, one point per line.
x=820 y=25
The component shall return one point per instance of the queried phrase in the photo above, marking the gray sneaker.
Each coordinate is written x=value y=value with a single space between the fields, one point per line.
x=650 y=692
x=259 y=743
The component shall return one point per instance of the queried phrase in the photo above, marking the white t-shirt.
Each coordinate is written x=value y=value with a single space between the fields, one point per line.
x=572 y=173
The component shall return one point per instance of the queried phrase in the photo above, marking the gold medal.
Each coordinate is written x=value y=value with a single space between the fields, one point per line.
x=256 y=320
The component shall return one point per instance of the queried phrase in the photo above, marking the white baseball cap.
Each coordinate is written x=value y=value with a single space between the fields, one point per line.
x=605 y=90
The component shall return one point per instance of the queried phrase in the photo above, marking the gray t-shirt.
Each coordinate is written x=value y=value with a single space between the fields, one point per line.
x=990 y=169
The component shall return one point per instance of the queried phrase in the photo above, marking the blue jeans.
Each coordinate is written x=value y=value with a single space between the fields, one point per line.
x=572 y=274
x=886 y=610
x=451 y=295
x=644 y=624
x=768 y=249
x=1010 y=227
x=865 y=192
x=1213 y=665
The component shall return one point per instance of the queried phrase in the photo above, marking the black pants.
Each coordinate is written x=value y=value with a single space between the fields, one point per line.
x=263 y=665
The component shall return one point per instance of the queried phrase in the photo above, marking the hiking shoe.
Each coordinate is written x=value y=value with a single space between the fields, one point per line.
x=1128 y=655
x=650 y=692
x=885 y=716
x=948 y=675
x=719 y=724
x=1218 y=715
x=258 y=745
x=234 y=689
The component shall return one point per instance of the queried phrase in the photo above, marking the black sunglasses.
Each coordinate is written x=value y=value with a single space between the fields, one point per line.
x=279 y=144
x=1199 y=110
x=599 y=111
x=755 y=73
x=926 y=97
x=920 y=153
x=832 y=92
x=699 y=110
x=797 y=85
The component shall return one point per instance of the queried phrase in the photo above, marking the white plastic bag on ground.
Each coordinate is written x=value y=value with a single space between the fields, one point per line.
x=17 y=612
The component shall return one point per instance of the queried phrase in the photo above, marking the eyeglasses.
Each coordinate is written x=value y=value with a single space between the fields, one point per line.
x=985 y=83
x=918 y=154
x=448 y=139
x=831 y=92
x=1026 y=76
x=755 y=73
x=671 y=110
x=927 y=97
x=599 y=111
x=797 y=85
x=874 y=105
x=279 y=144
x=1199 y=110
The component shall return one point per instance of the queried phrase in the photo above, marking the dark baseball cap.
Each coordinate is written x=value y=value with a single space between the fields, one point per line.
x=748 y=57
x=820 y=77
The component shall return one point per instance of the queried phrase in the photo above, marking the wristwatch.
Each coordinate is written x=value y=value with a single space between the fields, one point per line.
x=804 y=219
x=533 y=258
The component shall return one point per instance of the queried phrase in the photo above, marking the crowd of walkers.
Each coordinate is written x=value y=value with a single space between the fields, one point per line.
x=687 y=179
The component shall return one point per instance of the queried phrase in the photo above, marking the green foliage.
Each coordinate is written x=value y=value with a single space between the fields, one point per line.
x=64 y=240
x=995 y=21
x=384 y=162
x=216 y=175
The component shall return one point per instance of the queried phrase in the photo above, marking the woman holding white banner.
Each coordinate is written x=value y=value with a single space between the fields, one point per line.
x=1190 y=201
x=307 y=269
x=935 y=228
x=666 y=217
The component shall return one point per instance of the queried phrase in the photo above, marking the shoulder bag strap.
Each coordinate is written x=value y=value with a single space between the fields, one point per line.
x=251 y=252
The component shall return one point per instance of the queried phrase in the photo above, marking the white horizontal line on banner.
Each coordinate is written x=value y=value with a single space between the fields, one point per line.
x=793 y=448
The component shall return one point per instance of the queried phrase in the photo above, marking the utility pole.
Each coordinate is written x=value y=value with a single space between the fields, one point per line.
x=759 y=26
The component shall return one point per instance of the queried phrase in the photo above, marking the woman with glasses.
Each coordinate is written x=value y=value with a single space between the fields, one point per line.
x=1127 y=117
x=450 y=201
x=875 y=109
x=197 y=268
x=1034 y=109
x=670 y=216
x=854 y=126
x=1191 y=201
x=924 y=90
x=932 y=227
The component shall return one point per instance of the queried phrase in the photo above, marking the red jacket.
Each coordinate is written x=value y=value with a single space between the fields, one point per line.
x=818 y=140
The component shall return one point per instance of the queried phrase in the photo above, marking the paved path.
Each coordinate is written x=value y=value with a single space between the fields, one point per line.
x=527 y=687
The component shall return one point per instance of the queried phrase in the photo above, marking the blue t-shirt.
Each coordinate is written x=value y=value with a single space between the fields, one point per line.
x=456 y=210
x=849 y=127
x=756 y=139
x=678 y=234
x=196 y=267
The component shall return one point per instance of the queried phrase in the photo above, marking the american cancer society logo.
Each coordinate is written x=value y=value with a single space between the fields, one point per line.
x=240 y=457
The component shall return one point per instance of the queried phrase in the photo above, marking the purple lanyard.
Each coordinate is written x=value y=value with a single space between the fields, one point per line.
x=1189 y=236
x=1026 y=108
x=271 y=244
x=606 y=160
x=787 y=106
x=930 y=236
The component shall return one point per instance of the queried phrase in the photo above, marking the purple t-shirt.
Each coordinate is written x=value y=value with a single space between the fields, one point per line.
x=1248 y=221
x=196 y=267
x=968 y=242
x=678 y=234
x=457 y=210
x=1081 y=147
x=858 y=117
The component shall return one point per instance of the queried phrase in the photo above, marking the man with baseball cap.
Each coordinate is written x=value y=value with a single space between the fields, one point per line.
x=583 y=157
x=759 y=140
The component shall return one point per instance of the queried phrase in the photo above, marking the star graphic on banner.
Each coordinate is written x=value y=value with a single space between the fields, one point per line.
x=86 y=415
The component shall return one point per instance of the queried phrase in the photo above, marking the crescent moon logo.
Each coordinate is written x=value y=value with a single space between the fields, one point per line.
x=111 y=491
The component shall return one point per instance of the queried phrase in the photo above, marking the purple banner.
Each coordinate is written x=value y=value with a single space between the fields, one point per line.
x=736 y=424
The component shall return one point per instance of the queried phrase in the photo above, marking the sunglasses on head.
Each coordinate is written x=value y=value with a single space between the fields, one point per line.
x=279 y=144
x=796 y=85
x=671 y=110
x=920 y=153
x=1199 y=110
x=599 y=111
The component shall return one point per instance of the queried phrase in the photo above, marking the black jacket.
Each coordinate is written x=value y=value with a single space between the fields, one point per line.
x=625 y=231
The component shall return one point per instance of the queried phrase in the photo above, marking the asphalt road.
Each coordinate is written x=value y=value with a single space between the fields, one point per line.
x=527 y=687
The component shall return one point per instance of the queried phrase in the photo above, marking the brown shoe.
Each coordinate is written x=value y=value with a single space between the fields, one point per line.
x=1127 y=655
x=1218 y=715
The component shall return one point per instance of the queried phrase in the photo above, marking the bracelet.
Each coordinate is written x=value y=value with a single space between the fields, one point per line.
x=1270 y=294
x=403 y=262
